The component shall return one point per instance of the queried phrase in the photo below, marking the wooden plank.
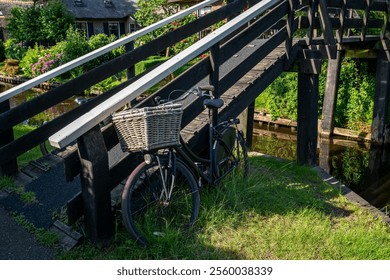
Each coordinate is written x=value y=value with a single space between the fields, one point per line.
x=326 y=24
x=88 y=57
x=102 y=111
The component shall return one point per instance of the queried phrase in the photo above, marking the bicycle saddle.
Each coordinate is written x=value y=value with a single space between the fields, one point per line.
x=213 y=103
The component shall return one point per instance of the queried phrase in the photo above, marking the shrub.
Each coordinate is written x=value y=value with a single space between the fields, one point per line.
x=14 y=49
x=45 y=63
x=11 y=67
x=31 y=57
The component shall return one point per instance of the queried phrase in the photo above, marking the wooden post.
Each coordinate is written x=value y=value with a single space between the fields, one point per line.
x=330 y=97
x=246 y=124
x=324 y=154
x=249 y=125
x=308 y=82
x=381 y=100
x=95 y=188
x=214 y=77
x=9 y=166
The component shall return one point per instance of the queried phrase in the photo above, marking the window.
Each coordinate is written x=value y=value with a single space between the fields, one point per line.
x=113 y=28
x=83 y=27
x=204 y=11
x=132 y=27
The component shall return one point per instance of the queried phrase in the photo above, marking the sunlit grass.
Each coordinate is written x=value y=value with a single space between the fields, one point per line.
x=281 y=211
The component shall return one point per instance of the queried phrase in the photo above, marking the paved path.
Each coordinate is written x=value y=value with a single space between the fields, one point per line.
x=16 y=243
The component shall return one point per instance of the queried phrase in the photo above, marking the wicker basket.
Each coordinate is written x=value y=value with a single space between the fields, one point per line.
x=149 y=128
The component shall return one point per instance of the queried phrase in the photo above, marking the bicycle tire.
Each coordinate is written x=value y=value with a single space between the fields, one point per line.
x=230 y=154
x=147 y=215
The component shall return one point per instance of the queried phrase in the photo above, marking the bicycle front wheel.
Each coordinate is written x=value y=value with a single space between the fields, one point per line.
x=230 y=154
x=160 y=201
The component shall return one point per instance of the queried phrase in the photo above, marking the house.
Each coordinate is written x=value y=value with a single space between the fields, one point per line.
x=202 y=11
x=103 y=16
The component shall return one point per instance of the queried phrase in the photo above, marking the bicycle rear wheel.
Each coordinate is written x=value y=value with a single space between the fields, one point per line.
x=230 y=154
x=151 y=211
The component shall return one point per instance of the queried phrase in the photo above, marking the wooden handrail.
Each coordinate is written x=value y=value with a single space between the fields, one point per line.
x=85 y=123
x=96 y=53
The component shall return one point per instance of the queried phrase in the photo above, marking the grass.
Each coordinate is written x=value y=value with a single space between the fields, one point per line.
x=34 y=153
x=281 y=211
x=8 y=184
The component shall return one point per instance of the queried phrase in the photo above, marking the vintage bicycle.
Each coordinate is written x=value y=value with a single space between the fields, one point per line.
x=161 y=196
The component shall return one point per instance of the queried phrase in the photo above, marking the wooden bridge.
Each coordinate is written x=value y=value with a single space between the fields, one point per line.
x=238 y=64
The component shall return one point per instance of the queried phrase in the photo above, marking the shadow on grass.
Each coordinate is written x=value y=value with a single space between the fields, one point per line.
x=281 y=211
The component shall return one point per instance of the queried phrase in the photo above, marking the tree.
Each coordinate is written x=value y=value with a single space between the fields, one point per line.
x=152 y=11
x=55 y=21
x=39 y=24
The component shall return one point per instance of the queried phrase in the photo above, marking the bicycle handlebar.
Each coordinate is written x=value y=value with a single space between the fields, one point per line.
x=201 y=91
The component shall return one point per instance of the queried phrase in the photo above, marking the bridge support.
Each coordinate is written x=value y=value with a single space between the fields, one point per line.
x=330 y=97
x=308 y=82
x=95 y=187
x=10 y=166
x=381 y=100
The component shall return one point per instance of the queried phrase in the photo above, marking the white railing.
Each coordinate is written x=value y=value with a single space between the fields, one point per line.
x=92 y=118
x=96 y=53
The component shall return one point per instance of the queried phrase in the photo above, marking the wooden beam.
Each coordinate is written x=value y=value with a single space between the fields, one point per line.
x=307 y=116
x=381 y=99
x=98 y=216
x=330 y=97
x=326 y=26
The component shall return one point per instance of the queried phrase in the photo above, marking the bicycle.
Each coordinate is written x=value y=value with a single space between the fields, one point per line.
x=161 y=196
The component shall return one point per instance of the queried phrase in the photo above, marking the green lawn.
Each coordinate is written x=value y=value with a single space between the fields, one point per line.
x=281 y=211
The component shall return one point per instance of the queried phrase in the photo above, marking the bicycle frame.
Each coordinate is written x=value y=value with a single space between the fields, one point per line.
x=190 y=158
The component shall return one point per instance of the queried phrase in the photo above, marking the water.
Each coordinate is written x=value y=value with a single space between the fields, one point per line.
x=48 y=114
x=362 y=168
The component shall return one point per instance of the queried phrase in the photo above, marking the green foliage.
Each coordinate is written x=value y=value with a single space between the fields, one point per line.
x=43 y=236
x=32 y=55
x=354 y=107
x=144 y=65
x=355 y=96
x=100 y=40
x=152 y=11
x=39 y=24
x=55 y=20
x=280 y=98
x=14 y=50
x=350 y=166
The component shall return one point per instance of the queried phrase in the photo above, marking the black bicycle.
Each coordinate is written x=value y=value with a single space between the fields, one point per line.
x=161 y=196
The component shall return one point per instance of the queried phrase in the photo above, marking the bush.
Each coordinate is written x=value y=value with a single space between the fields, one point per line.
x=354 y=107
x=31 y=57
x=14 y=49
x=11 y=67
x=45 y=63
